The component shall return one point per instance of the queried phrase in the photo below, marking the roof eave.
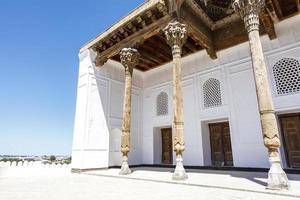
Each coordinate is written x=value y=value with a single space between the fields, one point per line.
x=142 y=8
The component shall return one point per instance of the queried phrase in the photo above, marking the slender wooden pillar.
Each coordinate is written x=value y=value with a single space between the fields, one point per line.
x=129 y=58
x=249 y=11
x=176 y=34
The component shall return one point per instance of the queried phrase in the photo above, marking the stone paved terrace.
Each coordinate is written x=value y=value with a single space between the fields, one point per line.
x=228 y=180
x=144 y=183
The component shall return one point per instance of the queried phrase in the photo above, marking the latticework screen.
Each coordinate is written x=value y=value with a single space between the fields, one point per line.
x=162 y=104
x=212 y=93
x=287 y=76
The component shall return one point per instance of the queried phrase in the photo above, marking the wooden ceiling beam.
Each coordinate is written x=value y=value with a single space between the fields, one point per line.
x=268 y=24
x=155 y=52
x=270 y=9
x=146 y=62
x=160 y=43
x=150 y=56
x=229 y=36
x=138 y=67
x=197 y=29
x=277 y=7
x=134 y=38
x=232 y=35
x=298 y=4
x=208 y=46
x=142 y=66
x=189 y=45
x=161 y=38
x=185 y=51
x=160 y=49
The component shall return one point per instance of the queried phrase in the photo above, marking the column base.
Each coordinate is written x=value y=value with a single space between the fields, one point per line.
x=277 y=178
x=179 y=173
x=125 y=167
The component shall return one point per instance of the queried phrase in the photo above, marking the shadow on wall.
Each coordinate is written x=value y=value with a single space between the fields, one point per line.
x=115 y=147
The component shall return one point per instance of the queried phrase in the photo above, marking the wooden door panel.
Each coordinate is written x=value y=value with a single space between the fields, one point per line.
x=227 y=145
x=220 y=142
x=295 y=158
x=218 y=159
x=228 y=159
x=167 y=152
x=291 y=132
x=217 y=155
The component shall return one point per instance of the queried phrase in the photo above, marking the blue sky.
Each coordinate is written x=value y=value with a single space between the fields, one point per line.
x=39 y=44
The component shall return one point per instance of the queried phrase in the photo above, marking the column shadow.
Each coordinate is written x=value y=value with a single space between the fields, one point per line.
x=249 y=175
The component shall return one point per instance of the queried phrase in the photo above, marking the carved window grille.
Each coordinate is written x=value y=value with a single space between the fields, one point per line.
x=287 y=76
x=212 y=93
x=162 y=104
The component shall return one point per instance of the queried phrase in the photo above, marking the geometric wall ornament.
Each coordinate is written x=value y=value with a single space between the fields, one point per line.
x=286 y=73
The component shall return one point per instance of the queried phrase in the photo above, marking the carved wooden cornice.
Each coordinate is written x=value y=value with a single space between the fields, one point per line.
x=142 y=17
x=142 y=29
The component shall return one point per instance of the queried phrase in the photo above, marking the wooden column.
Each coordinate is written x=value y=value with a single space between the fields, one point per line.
x=176 y=34
x=129 y=58
x=249 y=11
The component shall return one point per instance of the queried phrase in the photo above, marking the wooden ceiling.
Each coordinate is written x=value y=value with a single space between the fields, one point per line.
x=211 y=27
x=155 y=52
x=286 y=8
x=216 y=9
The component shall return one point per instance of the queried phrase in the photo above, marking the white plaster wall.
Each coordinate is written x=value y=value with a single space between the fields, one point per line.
x=100 y=96
x=239 y=105
x=91 y=136
x=99 y=111
x=114 y=74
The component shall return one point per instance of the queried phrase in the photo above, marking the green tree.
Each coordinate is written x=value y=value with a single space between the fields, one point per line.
x=52 y=158
x=68 y=160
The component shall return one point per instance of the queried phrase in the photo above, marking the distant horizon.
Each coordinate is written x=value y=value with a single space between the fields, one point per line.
x=35 y=155
x=40 y=42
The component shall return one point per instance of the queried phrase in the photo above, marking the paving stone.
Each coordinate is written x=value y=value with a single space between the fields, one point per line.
x=87 y=187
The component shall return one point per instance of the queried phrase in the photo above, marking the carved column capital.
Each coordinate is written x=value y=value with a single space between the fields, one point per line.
x=129 y=59
x=249 y=11
x=176 y=35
